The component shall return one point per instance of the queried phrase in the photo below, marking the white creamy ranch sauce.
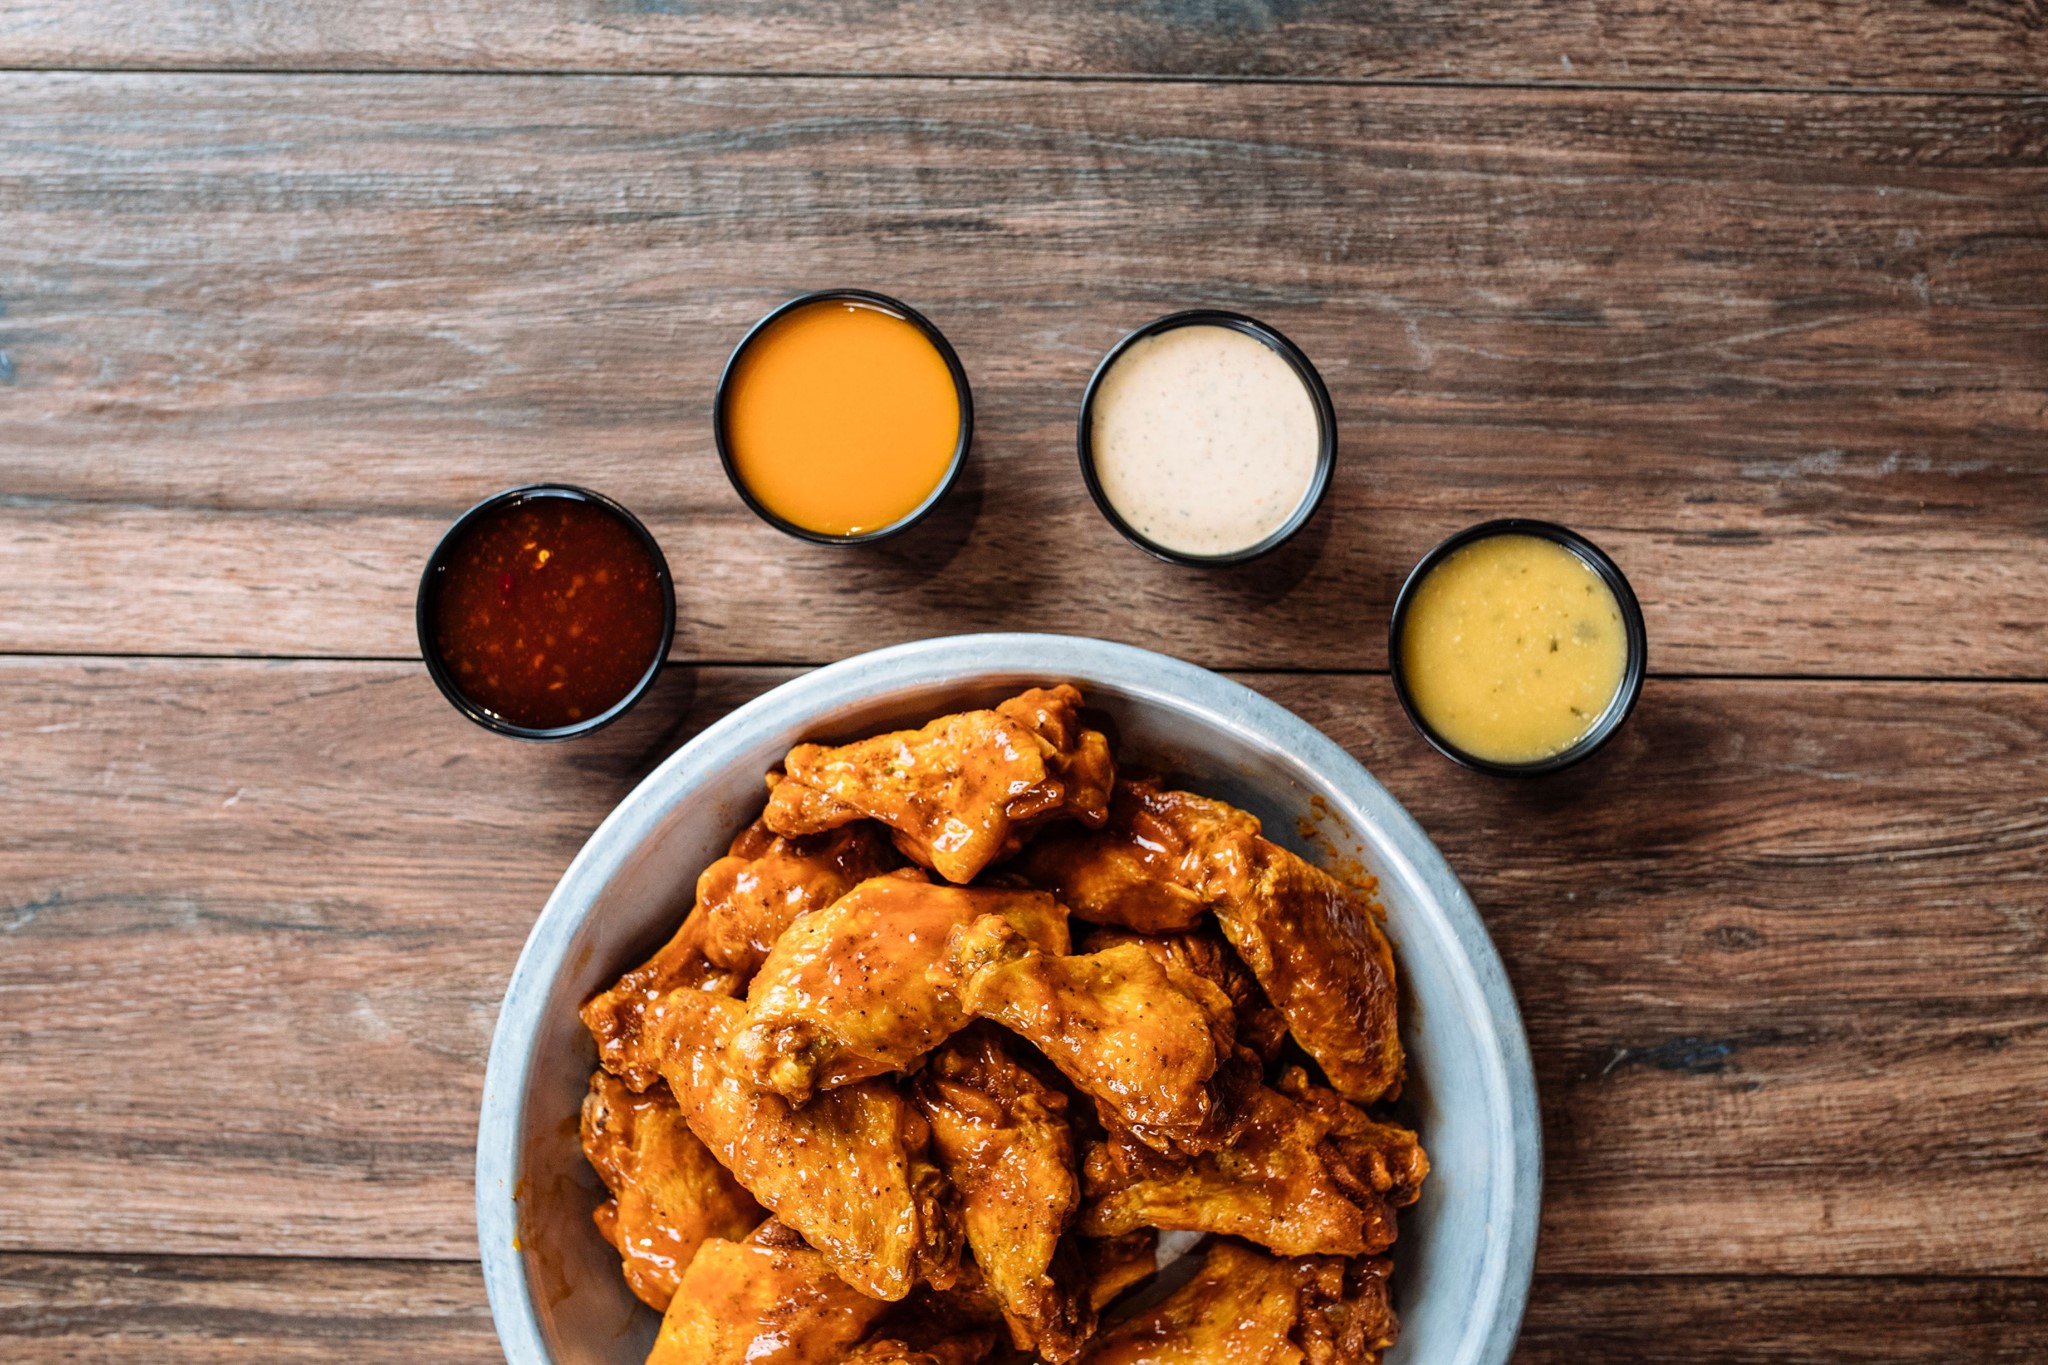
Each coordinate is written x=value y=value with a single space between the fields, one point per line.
x=1205 y=439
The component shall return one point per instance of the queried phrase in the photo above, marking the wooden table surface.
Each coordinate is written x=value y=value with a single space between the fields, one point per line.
x=1754 y=293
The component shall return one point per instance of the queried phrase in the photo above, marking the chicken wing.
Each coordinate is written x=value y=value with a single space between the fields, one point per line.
x=750 y=896
x=1150 y=866
x=844 y=995
x=1278 y=1184
x=668 y=1192
x=959 y=1325
x=1317 y=948
x=622 y=1019
x=1140 y=1037
x=769 y=1300
x=1314 y=944
x=1202 y=951
x=744 y=902
x=960 y=1350
x=1115 y=1264
x=1365 y=1154
x=1244 y=1307
x=963 y=791
x=1002 y=1138
x=851 y=1171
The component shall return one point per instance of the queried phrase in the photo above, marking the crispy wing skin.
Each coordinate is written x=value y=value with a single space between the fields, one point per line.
x=963 y=791
x=750 y=896
x=958 y=1325
x=1150 y=866
x=668 y=1192
x=1317 y=948
x=887 y=1351
x=1138 y=1037
x=851 y=1171
x=1202 y=952
x=623 y=1018
x=960 y=1350
x=1002 y=1138
x=769 y=1300
x=1278 y=1184
x=1115 y=1264
x=1314 y=944
x=932 y=1314
x=1244 y=1307
x=1367 y=1156
x=1077 y=757
x=845 y=995
x=744 y=902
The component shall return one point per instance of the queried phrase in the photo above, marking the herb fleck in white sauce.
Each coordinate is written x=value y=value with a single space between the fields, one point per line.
x=1205 y=439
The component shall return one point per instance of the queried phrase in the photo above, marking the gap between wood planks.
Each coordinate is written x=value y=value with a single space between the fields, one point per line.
x=1039 y=77
x=1839 y=679
x=256 y=1253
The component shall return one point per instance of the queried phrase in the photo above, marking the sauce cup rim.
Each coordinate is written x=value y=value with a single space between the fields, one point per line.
x=1304 y=369
x=437 y=667
x=962 y=390
x=1634 y=671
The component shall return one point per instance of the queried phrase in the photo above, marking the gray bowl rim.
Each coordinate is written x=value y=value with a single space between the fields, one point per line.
x=1489 y=1003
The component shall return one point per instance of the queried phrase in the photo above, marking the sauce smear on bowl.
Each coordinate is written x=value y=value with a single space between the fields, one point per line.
x=1204 y=439
x=840 y=417
x=1513 y=648
x=549 y=611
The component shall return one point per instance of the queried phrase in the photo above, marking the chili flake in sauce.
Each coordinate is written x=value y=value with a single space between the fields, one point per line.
x=549 y=611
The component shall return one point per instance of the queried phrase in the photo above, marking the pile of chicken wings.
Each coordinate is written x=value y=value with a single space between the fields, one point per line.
x=958 y=1026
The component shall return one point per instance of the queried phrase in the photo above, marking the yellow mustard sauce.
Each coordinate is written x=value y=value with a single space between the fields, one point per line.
x=1512 y=648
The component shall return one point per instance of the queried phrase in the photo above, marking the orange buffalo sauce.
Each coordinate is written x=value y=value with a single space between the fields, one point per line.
x=841 y=417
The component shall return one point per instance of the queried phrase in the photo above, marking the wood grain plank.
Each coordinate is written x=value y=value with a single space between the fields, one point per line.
x=225 y=1310
x=1780 y=951
x=1806 y=1321
x=1782 y=355
x=1983 y=43
x=228 y=1309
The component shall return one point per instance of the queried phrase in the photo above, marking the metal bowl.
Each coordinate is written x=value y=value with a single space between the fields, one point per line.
x=1466 y=1251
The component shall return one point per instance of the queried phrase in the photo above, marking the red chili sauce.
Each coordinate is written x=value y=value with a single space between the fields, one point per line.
x=549 y=611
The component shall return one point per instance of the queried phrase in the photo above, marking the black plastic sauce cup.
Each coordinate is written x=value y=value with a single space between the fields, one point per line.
x=1319 y=396
x=426 y=605
x=1618 y=707
x=723 y=437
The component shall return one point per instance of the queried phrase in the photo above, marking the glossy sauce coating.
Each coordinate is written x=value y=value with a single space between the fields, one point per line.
x=1513 y=647
x=1205 y=439
x=549 y=611
x=841 y=417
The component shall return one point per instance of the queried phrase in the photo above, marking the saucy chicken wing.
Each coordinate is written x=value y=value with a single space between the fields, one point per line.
x=960 y=1350
x=1149 y=867
x=963 y=791
x=958 y=1325
x=1115 y=1264
x=1202 y=951
x=1366 y=1155
x=1140 y=1037
x=622 y=1019
x=744 y=902
x=1314 y=944
x=668 y=1192
x=769 y=1300
x=844 y=994
x=851 y=1171
x=1277 y=1184
x=1244 y=1307
x=1002 y=1138
x=754 y=893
